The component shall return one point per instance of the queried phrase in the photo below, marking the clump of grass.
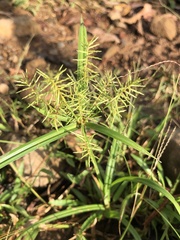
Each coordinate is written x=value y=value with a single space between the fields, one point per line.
x=98 y=191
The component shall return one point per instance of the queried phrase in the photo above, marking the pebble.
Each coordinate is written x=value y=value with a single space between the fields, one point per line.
x=164 y=26
x=6 y=29
x=170 y=158
x=4 y=88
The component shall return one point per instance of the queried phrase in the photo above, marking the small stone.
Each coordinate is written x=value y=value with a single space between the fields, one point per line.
x=4 y=88
x=171 y=158
x=6 y=29
x=157 y=50
x=164 y=26
x=37 y=170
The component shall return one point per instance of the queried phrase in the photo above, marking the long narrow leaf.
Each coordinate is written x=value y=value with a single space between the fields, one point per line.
x=151 y=184
x=35 y=144
x=131 y=229
x=114 y=214
x=88 y=222
x=109 y=173
x=171 y=213
x=63 y=214
x=111 y=133
x=82 y=50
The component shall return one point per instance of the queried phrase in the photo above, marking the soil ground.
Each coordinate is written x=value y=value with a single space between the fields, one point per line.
x=138 y=35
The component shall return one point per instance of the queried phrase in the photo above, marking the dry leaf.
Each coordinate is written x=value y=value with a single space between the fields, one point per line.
x=109 y=3
x=147 y=13
x=14 y=218
x=114 y=15
x=110 y=52
x=123 y=8
x=140 y=27
x=119 y=11
x=104 y=36
x=42 y=210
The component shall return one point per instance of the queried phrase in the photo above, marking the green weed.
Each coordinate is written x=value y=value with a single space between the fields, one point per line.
x=101 y=189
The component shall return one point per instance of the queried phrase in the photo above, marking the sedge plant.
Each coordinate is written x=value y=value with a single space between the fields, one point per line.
x=89 y=100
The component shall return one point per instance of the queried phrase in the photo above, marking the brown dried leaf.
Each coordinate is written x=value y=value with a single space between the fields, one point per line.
x=104 y=36
x=14 y=218
x=140 y=27
x=110 y=52
x=115 y=15
x=119 y=11
x=147 y=13
x=123 y=8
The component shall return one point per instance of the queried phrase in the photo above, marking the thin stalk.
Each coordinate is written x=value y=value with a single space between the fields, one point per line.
x=82 y=51
x=91 y=155
x=110 y=172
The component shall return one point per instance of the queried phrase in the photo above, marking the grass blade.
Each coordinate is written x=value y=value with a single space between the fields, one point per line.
x=82 y=50
x=116 y=135
x=35 y=144
x=152 y=184
x=109 y=173
x=63 y=214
